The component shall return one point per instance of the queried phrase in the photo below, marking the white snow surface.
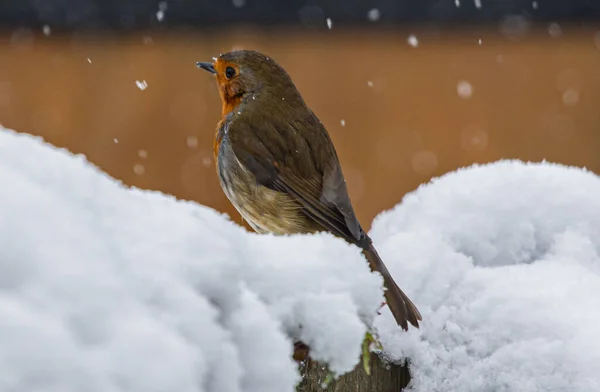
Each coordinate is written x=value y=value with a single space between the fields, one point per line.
x=503 y=262
x=106 y=288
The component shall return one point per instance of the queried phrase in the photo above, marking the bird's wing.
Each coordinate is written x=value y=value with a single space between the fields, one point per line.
x=288 y=161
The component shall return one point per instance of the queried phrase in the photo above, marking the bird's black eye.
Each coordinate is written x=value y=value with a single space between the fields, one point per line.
x=229 y=72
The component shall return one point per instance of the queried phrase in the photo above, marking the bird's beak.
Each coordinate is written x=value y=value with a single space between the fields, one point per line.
x=207 y=67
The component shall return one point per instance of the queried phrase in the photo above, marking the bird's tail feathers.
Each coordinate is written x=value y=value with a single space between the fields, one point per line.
x=402 y=308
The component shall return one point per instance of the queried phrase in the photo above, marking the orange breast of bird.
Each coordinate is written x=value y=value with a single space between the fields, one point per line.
x=217 y=141
x=229 y=105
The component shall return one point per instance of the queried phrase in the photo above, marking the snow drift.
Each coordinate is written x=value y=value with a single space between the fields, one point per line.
x=503 y=260
x=106 y=288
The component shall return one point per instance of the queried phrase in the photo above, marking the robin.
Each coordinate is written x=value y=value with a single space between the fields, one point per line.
x=277 y=164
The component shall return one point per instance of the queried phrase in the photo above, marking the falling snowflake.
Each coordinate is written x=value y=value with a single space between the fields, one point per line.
x=373 y=15
x=570 y=97
x=141 y=85
x=139 y=169
x=160 y=14
x=329 y=23
x=412 y=41
x=464 y=89
x=192 y=141
x=555 y=30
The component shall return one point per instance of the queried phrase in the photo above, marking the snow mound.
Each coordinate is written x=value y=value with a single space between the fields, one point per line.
x=105 y=288
x=503 y=262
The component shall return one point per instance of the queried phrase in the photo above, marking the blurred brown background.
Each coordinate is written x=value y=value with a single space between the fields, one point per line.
x=401 y=109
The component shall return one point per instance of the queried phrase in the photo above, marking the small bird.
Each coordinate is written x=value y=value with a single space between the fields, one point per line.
x=277 y=164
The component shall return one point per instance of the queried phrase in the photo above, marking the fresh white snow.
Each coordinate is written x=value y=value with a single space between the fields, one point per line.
x=503 y=260
x=107 y=288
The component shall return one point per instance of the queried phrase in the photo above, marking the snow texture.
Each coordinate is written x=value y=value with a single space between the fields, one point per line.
x=106 y=288
x=503 y=262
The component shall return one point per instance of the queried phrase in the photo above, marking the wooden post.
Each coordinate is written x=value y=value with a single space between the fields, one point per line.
x=384 y=378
